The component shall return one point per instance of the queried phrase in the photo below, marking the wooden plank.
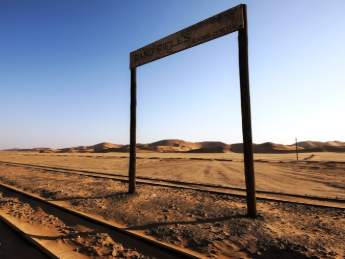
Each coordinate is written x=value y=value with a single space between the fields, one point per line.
x=133 y=133
x=246 y=117
x=214 y=27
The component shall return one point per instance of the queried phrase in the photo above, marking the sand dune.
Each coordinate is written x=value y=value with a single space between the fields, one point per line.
x=181 y=146
x=223 y=148
x=270 y=147
x=177 y=146
x=318 y=144
x=335 y=143
x=105 y=145
x=310 y=144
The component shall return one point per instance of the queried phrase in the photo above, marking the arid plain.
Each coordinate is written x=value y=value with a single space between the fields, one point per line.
x=316 y=174
x=209 y=225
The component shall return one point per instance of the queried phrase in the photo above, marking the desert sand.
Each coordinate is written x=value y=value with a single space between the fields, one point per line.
x=181 y=146
x=317 y=174
x=213 y=225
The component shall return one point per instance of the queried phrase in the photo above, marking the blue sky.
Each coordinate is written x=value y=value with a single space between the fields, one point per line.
x=65 y=78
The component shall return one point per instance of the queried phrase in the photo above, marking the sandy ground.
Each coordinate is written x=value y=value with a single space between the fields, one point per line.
x=13 y=246
x=314 y=175
x=214 y=225
x=64 y=237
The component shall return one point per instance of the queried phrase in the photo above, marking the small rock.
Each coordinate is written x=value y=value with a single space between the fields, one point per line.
x=333 y=253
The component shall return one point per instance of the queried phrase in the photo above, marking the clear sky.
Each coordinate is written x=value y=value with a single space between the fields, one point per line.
x=65 y=78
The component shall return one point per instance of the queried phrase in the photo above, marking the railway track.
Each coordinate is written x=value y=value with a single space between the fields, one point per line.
x=217 y=189
x=53 y=230
x=15 y=244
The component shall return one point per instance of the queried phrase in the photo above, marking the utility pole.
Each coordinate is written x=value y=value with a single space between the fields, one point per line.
x=296 y=150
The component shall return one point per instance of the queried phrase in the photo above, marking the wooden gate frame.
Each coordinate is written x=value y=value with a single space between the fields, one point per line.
x=231 y=20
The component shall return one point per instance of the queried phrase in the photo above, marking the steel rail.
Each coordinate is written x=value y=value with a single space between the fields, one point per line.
x=216 y=189
x=144 y=241
x=21 y=235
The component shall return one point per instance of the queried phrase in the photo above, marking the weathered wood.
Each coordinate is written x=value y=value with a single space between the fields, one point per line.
x=133 y=133
x=216 y=26
x=246 y=117
x=219 y=25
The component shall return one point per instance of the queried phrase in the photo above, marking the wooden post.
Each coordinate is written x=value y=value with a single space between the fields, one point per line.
x=133 y=133
x=296 y=150
x=246 y=117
